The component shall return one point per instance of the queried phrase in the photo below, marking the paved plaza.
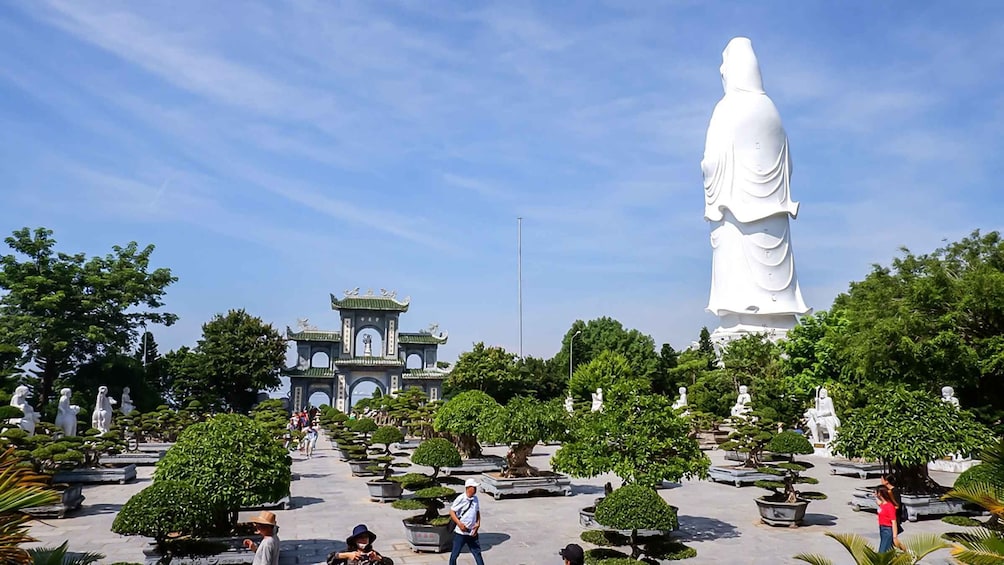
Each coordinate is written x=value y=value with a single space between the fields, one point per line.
x=720 y=521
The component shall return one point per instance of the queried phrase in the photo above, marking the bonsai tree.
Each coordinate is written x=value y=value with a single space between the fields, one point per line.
x=461 y=418
x=386 y=436
x=165 y=510
x=272 y=416
x=429 y=493
x=636 y=507
x=906 y=430
x=751 y=436
x=638 y=436
x=521 y=424
x=233 y=461
x=43 y=452
x=792 y=444
x=363 y=427
x=918 y=547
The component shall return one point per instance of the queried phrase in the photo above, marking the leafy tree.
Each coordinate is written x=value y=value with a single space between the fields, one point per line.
x=149 y=357
x=707 y=349
x=429 y=493
x=633 y=508
x=521 y=424
x=186 y=379
x=907 y=429
x=62 y=310
x=542 y=378
x=751 y=436
x=116 y=372
x=811 y=358
x=638 y=436
x=461 y=418
x=714 y=392
x=603 y=371
x=607 y=334
x=663 y=382
x=243 y=355
x=491 y=370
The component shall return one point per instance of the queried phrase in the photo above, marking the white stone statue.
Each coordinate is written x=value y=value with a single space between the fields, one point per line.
x=67 y=416
x=822 y=419
x=569 y=404
x=682 y=401
x=742 y=406
x=367 y=345
x=30 y=418
x=747 y=200
x=101 y=419
x=948 y=395
x=597 y=401
x=127 y=406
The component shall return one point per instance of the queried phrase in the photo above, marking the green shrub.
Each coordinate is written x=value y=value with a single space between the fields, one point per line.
x=387 y=435
x=163 y=508
x=364 y=426
x=965 y=521
x=791 y=443
x=233 y=461
x=462 y=417
x=436 y=453
x=635 y=507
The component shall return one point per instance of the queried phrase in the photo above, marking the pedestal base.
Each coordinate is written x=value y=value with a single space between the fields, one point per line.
x=952 y=465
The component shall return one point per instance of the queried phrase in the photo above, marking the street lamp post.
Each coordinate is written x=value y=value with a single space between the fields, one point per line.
x=571 y=345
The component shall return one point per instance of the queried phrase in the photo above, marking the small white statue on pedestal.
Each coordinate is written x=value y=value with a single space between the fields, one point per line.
x=30 y=418
x=597 y=401
x=682 y=401
x=101 y=419
x=127 y=406
x=569 y=404
x=822 y=419
x=742 y=406
x=948 y=395
x=367 y=345
x=67 y=416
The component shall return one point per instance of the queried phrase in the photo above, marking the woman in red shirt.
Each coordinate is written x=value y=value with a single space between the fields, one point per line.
x=888 y=532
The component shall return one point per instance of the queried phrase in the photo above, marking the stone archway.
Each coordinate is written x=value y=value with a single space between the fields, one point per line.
x=377 y=383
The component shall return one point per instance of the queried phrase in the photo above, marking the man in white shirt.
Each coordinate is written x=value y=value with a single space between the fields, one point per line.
x=466 y=514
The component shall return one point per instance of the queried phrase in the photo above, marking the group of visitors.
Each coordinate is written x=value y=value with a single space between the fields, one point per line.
x=304 y=421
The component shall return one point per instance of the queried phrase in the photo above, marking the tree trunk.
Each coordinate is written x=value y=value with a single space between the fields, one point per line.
x=516 y=462
x=635 y=550
x=468 y=446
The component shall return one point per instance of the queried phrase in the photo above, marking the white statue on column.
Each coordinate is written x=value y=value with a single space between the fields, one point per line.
x=66 y=418
x=597 y=401
x=20 y=401
x=682 y=401
x=367 y=345
x=742 y=406
x=569 y=404
x=127 y=405
x=101 y=419
x=948 y=395
x=747 y=169
x=822 y=419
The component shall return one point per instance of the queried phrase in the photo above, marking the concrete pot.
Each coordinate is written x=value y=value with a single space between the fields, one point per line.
x=384 y=491
x=782 y=513
x=423 y=537
x=121 y=475
x=71 y=498
x=359 y=468
x=553 y=483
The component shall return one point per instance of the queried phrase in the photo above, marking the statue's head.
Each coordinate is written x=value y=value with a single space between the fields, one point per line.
x=102 y=390
x=22 y=391
x=683 y=390
x=65 y=392
x=125 y=390
x=947 y=392
x=743 y=389
x=740 y=69
x=822 y=393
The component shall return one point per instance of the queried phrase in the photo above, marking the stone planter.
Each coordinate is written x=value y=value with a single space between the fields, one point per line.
x=738 y=476
x=782 y=513
x=384 y=491
x=546 y=483
x=917 y=505
x=121 y=475
x=154 y=447
x=862 y=469
x=71 y=498
x=476 y=465
x=359 y=468
x=140 y=458
x=423 y=537
x=587 y=517
x=952 y=465
x=234 y=554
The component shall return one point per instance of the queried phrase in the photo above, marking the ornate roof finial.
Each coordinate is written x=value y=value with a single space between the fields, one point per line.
x=352 y=292
x=369 y=292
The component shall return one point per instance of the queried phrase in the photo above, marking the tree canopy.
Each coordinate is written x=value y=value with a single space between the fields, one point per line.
x=607 y=334
x=491 y=370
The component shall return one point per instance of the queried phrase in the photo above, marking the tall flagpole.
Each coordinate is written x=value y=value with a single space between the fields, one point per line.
x=519 y=270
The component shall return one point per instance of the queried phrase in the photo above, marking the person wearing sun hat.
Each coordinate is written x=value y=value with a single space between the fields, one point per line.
x=465 y=512
x=359 y=550
x=573 y=554
x=266 y=552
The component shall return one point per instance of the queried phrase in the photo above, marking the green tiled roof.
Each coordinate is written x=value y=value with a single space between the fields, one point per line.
x=369 y=302
x=421 y=338
x=313 y=335
x=311 y=372
x=369 y=362
x=424 y=374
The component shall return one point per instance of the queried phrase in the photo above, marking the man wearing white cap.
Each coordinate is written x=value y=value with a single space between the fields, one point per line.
x=466 y=514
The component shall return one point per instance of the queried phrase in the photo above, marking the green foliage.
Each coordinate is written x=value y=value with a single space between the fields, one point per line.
x=918 y=547
x=429 y=494
x=754 y=360
x=658 y=547
x=635 y=507
x=712 y=392
x=62 y=310
x=413 y=481
x=491 y=370
x=185 y=379
x=751 y=436
x=61 y=555
x=934 y=428
x=784 y=490
x=638 y=436
x=982 y=473
x=387 y=435
x=964 y=521
x=607 y=334
x=271 y=416
x=811 y=358
x=408 y=504
x=117 y=371
x=521 y=424
x=605 y=369
x=232 y=460
x=461 y=417
x=166 y=507
x=791 y=443
x=436 y=453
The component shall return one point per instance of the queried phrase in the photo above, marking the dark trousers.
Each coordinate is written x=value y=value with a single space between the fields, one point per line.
x=885 y=539
x=459 y=540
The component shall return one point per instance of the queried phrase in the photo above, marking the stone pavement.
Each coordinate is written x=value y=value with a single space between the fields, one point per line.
x=720 y=521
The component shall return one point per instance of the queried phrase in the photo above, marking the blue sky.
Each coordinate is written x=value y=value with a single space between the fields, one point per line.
x=286 y=150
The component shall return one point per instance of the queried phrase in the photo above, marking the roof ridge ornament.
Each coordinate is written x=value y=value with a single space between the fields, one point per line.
x=352 y=292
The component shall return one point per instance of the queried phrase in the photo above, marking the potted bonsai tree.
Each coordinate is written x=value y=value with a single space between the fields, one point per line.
x=234 y=462
x=383 y=489
x=933 y=430
x=785 y=506
x=641 y=520
x=521 y=424
x=429 y=531
x=461 y=419
x=747 y=445
x=357 y=450
x=172 y=513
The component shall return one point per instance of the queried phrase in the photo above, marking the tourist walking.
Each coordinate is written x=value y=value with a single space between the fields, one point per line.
x=465 y=512
x=266 y=552
x=888 y=533
x=887 y=482
x=573 y=554
x=310 y=440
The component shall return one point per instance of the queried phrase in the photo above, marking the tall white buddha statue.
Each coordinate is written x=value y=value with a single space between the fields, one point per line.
x=747 y=199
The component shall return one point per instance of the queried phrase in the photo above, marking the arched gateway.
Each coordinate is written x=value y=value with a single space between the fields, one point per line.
x=344 y=367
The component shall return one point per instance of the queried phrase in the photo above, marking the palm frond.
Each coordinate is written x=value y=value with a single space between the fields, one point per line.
x=979 y=547
x=20 y=488
x=813 y=559
x=985 y=495
x=857 y=546
x=922 y=545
